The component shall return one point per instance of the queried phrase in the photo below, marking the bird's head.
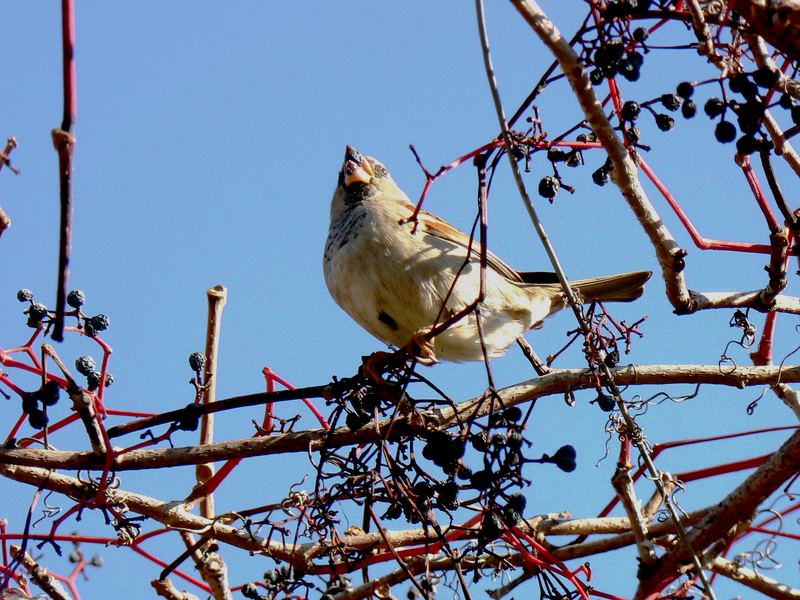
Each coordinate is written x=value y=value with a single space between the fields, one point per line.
x=363 y=176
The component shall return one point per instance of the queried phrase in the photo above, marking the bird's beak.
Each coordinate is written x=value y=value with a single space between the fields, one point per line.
x=356 y=168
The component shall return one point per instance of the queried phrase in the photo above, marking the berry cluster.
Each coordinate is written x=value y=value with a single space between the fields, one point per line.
x=39 y=315
x=277 y=583
x=47 y=395
x=86 y=366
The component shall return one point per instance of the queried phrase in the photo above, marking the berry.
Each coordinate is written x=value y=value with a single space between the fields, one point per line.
x=749 y=116
x=93 y=381
x=513 y=413
x=574 y=159
x=600 y=176
x=100 y=322
x=30 y=402
x=685 y=90
x=36 y=314
x=737 y=83
x=515 y=440
x=725 y=132
x=24 y=295
x=517 y=502
x=564 y=458
x=596 y=76
x=50 y=393
x=491 y=527
x=109 y=379
x=85 y=365
x=499 y=440
x=393 y=512
x=511 y=517
x=250 y=590
x=612 y=359
x=766 y=77
x=447 y=495
x=671 y=102
x=190 y=419
x=634 y=135
x=664 y=122
x=38 y=419
x=556 y=155
x=796 y=115
x=785 y=101
x=688 y=109
x=197 y=360
x=356 y=421
x=630 y=111
x=636 y=58
x=548 y=187
x=640 y=34
x=628 y=69
x=482 y=479
x=423 y=489
x=605 y=402
x=714 y=107
x=746 y=144
x=480 y=441
x=76 y=298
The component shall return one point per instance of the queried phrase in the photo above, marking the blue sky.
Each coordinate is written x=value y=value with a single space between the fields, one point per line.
x=209 y=141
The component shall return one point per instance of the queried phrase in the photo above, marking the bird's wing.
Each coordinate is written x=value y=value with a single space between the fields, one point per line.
x=433 y=225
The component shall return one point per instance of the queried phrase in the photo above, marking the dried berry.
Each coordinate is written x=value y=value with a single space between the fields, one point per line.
x=513 y=413
x=197 y=360
x=556 y=155
x=785 y=101
x=85 y=365
x=36 y=314
x=574 y=159
x=600 y=176
x=628 y=69
x=24 y=295
x=190 y=418
x=481 y=480
x=640 y=34
x=664 y=122
x=548 y=187
x=100 y=322
x=746 y=144
x=596 y=76
x=671 y=102
x=356 y=420
x=630 y=111
x=612 y=358
x=76 y=298
x=30 y=402
x=564 y=458
x=423 y=489
x=517 y=502
x=738 y=82
x=688 y=109
x=604 y=401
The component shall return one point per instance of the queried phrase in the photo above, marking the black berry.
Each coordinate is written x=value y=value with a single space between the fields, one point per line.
x=605 y=402
x=630 y=111
x=197 y=360
x=76 y=298
x=38 y=419
x=50 y=393
x=548 y=187
x=685 y=90
x=24 y=295
x=746 y=144
x=725 y=132
x=766 y=77
x=671 y=102
x=600 y=176
x=714 y=107
x=664 y=122
x=85 y=365
x=640 y=34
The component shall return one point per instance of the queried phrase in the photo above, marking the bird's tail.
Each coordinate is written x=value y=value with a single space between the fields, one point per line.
x=624 y=287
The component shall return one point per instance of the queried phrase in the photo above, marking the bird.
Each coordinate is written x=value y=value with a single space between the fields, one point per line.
x=399 y=276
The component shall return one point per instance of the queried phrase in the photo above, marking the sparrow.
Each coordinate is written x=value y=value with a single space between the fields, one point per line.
x=398 y=277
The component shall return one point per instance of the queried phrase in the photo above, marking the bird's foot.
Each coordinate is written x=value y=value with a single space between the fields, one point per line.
x=373 y=366
x=422 y=348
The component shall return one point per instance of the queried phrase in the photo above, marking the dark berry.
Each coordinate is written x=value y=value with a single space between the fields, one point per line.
x=491 y=527
x=499 y=440
x=356 y=421
x=517 y=502
x=630 y=111
x=564 y=458
x=796 y=115
x=50 y=393
x=100 y=322
x=393 y=512
x=30 y=402
x=93 y=381
x=447 y=495
x=464 y=473
x=190 y=418
x=685 y=90
x=24 y=295
x=664 y=122
x=38 y=419
x=109 y=379
x=746 y=144
x=511 y=517
x=725 y=132
x=738 y=82
x=628 y=69
x=76 y=298
x=423 y=489
x=596 y=76
x=605 y=402
x=612 y=359
x=600 y=176
x=574 y=159
x=36 y=314
x=250 y=590
x=688 y=109
x=785 y=101
x=85 y=365
x=556 y=155
x=750 y=90
x=548 y=187
x=714 y=107
x=482 y=479
x=197 y=360
x=766 y=77
x=513 y=413
x=514 y=440
x=671 y=102
x=636 y=58
x=640 y=34
x=480 y=441
x=634 y=135
x=749 y=116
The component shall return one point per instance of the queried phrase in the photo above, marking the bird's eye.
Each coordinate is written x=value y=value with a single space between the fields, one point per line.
x=380 y=170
